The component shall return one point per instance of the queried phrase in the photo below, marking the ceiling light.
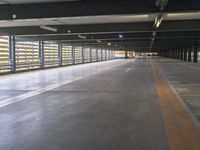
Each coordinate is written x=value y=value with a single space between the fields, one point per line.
x=99 y=41
x=109 y=44
x=121 y=36
x=14 y=16
x=158 y=21
x=69 y=31
x=49 y=28
x=154 y=33
x=82 y=36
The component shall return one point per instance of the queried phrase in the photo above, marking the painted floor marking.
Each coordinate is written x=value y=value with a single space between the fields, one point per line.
x=181 y=132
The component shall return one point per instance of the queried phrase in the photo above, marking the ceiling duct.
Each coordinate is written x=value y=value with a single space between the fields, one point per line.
x=161 y=4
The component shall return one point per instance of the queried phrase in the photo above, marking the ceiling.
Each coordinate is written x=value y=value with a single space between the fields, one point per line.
x=98 y=19
x=12 y=2
x=104 y=21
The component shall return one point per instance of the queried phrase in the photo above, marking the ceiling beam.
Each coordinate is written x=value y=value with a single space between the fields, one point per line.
x=92 y=8
x=142 y=27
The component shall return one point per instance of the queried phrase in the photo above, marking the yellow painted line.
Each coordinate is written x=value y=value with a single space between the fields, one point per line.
x=180 y=130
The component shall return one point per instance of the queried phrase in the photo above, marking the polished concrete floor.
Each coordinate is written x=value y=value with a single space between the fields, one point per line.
x=111 y=105
x=185 y=78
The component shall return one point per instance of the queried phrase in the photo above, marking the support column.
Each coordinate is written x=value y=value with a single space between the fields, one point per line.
x=60 y=53
x=82 y=48
x=41 y=54
x=189 y=54
x=12 y=59
x=181 y=52
x=126 y=54
x=90 y=55
x=96 y=54
x=174 y=53
x=195 y=51
x=170 y=54
x=185 y=54
x=101 y=55
x=178 y=53
x=106 y=54
x=73 y=55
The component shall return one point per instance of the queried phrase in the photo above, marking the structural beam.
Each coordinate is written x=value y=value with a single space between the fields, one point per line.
x=139 y=27
x=80 y=8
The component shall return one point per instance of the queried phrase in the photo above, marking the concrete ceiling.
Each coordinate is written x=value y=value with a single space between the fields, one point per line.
x=103 y=20
x=78 y=20
x=98 y=19
x=11 y=2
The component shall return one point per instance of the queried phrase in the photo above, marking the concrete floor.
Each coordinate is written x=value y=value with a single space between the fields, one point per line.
x=185 y=78
x=110 y=105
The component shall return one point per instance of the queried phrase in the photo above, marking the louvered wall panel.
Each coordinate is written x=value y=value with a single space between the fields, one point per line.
x=99 y=55
x=67 y=54
x=4 y=54
x=27 y=55
x=86 y=54
x=103 y=55
x=51 y=57
x=94 y=55
x=78 y=55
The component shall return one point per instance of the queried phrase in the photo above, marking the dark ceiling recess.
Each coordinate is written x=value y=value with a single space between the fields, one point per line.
x=134 y=24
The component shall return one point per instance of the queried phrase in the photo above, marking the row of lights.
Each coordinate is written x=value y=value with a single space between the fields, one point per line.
x=80 y=36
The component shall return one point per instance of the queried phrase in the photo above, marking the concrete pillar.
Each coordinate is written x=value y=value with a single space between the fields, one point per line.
x=189 y=54
x=12 y=59
x=181 y=53
x=82 y=49
x=126 y=54
x=195 y=51
x=41 y=54
x=96 y=54
x=90 y=54
x=176 y=54
x=168 y=54
x=73 y=54
x=178 y=51
x=60 y=53
x=185 y=54
x=101 y=54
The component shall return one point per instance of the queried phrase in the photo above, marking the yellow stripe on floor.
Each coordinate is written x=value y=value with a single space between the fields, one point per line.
x=181 y=131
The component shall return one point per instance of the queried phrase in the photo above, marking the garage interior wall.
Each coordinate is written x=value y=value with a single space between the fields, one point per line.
x=28 y=55
x=4 y=55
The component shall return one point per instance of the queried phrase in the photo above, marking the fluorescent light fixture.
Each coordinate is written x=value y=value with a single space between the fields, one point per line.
x=109 y=44
x=154 y=33
x=158 y=21
x=49 y=28
x=82 y=36
x=99 y=41
x=121 y=36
